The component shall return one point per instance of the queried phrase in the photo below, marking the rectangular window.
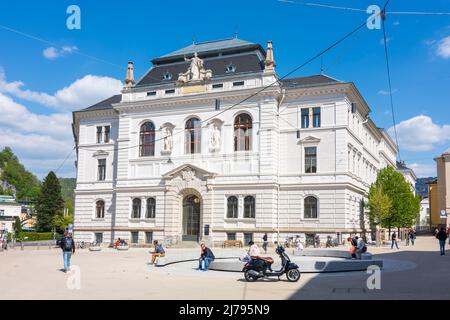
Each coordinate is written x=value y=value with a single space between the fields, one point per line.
x=170 y=91
x=2 y=213
x=99 y=237
x=316 y=117
x=107 y=134
x=217 y=86
x=305 y=117
x=148 y=237
x=101 y=169
x=151 y=93
x=310 y=160
x=238 y=84
x=134 y=237
x=231 y=236
x=247 y=238
x=99 y=134
x=353 y=107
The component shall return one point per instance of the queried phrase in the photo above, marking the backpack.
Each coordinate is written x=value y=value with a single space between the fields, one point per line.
x=68 y=244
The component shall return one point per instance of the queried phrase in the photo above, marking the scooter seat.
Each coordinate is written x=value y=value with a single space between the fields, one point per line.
x=268 y=260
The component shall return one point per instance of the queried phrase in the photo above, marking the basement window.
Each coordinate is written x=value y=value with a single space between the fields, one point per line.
x=217 y=85
x=170 y=91
x=151 y=93
x=238 y=84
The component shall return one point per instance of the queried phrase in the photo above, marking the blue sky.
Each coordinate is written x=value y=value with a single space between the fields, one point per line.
x=42 y=82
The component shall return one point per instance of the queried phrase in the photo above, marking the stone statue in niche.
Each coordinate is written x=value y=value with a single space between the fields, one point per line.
x=168 y=139
x=214 y=136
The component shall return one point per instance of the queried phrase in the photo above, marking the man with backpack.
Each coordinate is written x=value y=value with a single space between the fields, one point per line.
x=68 y=248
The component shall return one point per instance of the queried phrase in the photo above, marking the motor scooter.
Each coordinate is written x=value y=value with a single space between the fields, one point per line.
x=261 y=267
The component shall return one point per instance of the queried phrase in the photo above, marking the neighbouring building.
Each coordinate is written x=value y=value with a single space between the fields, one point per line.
x=210 y=144
x=424 y=215
x=408 y=174
x=443 y=187
x=9 y=210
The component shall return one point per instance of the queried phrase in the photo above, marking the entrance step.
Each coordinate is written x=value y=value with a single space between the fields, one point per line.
x=186 y=244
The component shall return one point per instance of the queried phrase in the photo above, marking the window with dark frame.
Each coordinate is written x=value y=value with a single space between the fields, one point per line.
x=310 y=159
x=107 y=134
x=231 y=235
x=243 y=132
x=147 y=140
x=100 y=209
x=316 y=117
x=148 y=237
x=134 y=237
x=136 y=210
x=217 y=86
x=249 y=207
x=170 y=91
x=98 y=237
x=305 y=118
x=151 y=93
x=193 y=136
x=310 y=207
x=238 y=84
x=101 y=170
x=248 y=237
x=232 y=207
x=99 y=134
x=151 y=208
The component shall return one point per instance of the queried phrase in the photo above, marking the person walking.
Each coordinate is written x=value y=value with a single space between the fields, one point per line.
x=408 y=235
x=412 y=236
x=68 y=248
x=265 y=242
x=207 y=256
x=394 y=240
x=442 y=236
x=159 y=251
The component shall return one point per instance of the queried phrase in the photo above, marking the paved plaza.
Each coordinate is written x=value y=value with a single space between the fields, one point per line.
x=417 y=272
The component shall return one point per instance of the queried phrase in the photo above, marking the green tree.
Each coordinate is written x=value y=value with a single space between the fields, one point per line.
x=15 y=174
x=49 y=203
x=405 y=206
x=17 y=228
x=62 y=221
x=379 y=205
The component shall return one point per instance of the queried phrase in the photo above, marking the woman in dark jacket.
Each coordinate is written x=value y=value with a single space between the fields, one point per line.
x=442 y=236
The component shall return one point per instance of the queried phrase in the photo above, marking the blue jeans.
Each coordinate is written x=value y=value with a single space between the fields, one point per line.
x=442 y=246
x=207 y=262
x=66 y=257
x=394 y=242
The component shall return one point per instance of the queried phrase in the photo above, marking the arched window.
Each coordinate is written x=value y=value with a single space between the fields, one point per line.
x=100 y=209
x=147 y=140
x=136 y=210
x=310 y=208
x=151 y=208
x=242 y=132
x=232 y=207
x=193 y=136
x=249 y=207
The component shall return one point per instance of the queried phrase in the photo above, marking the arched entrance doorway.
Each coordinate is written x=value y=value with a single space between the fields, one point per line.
x=191 y=218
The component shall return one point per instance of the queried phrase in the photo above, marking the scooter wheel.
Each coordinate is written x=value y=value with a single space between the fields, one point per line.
x=293 y=275
x=249 y=277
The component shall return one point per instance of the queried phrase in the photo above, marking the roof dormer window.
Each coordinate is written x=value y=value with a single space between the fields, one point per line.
x=167 y=76
x=230 y=68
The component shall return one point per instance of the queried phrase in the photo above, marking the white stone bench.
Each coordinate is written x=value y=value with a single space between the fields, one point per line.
x=122 y=248
x=95 y=249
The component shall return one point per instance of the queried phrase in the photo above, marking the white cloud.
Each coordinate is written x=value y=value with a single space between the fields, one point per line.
x=443 y=48
x=423 y=170
x=420 y=134
x=53 y=53
x=386 y=92
x=81 y=93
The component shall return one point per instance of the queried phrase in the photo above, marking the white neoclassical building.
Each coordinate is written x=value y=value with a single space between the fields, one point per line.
x=202 y=148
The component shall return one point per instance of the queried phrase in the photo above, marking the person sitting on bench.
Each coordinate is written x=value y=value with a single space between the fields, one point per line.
x=159 y=251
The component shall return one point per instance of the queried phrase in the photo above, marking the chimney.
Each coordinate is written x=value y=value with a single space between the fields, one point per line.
x=129 y=80
x=269 y=62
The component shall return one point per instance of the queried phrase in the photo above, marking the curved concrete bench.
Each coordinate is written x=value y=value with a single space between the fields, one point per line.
x=190 y=256
x=122 y=248
x=331 y=254
x=305 y=266
x=95 y=249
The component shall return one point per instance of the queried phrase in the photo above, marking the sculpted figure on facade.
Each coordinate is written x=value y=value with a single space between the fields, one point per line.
x=168 y=139
x=195 y=72
x=214 y=136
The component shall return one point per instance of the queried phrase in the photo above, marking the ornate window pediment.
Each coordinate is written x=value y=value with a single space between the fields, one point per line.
x=310 y=139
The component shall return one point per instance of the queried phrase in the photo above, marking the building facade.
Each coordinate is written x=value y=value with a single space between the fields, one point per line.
x=9 y=211
x=210 y=144
x=443 y=187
